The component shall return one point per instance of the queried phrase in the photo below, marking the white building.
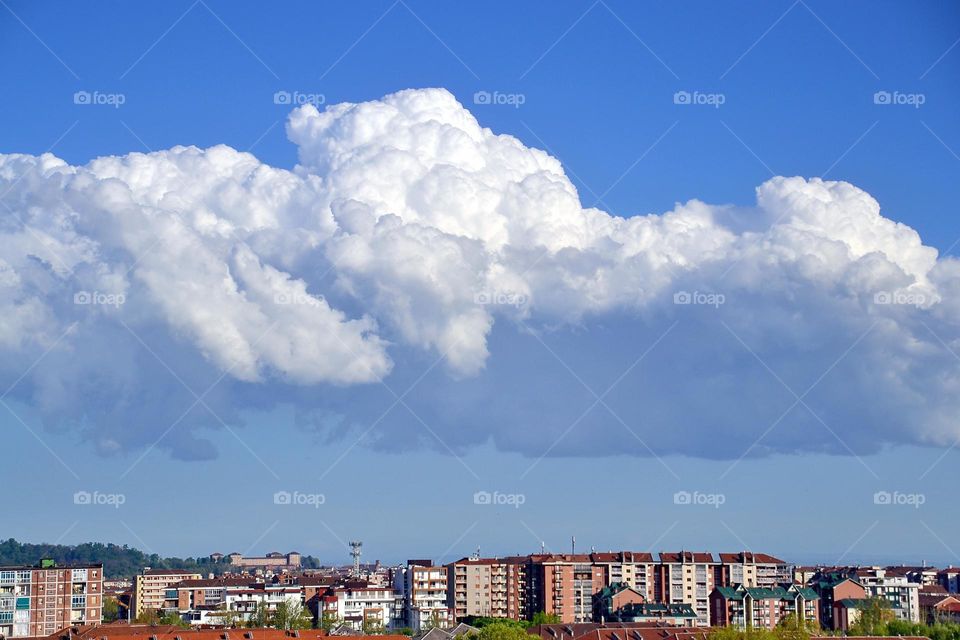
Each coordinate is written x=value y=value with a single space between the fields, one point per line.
x=423 y=588
x=879 y=583
x=361 y=605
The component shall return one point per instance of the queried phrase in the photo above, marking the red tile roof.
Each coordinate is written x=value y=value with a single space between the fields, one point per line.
x=685 y=556
x=622 y=556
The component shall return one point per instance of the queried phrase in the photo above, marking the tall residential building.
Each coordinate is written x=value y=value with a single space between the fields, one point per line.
x=686 y=577
x=424 y=594
x=38 y=601
x=150 y=589
x=632 y=568
x=752 y=570
x=563 y=585
x=493 y=587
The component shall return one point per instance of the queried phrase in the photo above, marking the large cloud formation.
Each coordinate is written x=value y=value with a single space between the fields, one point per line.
x=131 y=285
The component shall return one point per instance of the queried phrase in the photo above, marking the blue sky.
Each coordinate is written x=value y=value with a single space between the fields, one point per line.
x=597 y=82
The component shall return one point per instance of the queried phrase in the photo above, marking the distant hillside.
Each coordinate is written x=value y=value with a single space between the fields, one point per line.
x=118 y=561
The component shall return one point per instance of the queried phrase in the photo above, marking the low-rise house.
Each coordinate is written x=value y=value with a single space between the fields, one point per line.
x=846 y=612
x=939 y=607
x=677 y=614
x=612 y=598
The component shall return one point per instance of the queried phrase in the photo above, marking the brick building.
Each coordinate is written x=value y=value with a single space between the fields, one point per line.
x=761 y=607
x=37 y=601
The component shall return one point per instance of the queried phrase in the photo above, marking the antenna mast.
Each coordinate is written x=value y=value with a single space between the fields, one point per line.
x=356 y=548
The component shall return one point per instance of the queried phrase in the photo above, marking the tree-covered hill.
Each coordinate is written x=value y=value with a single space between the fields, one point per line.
x=118 y=561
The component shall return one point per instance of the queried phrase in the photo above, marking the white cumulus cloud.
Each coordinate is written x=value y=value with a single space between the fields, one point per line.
x=407 y=233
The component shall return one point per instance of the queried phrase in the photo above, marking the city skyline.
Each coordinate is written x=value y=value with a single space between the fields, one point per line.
x=437 y=277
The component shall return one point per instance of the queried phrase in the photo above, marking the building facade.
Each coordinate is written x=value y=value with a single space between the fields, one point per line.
x=687 y=577
x=488 y=587
x=273 y=560
x=563 y=585
x=37 y=601
x=423 y=589
x=762 y=607
x=150 y=590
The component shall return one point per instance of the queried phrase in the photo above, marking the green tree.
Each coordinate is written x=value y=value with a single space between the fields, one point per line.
x=873 y=618
x=437 y=621
x=260 y=617
x=792 y=627
x=229 y=618
x=111 y=609
x=328 y=620
x=148 y=616
x=544 y=618
x=372 y=625
x=173 y=618
x=501 y=630
x=290 y=615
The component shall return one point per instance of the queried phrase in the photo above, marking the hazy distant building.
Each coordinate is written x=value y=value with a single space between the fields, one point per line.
x=273 y=560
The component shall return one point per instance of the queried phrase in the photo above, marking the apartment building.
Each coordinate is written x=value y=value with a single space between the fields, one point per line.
x=360 y=606
x=831 y=588
x=563 y=585
x=896 y=587
x=266 y=597
x=761 y=607
x=752 y=570
x=949 y=579
x=686 y=577
x=37 y=601
x=632 y=568
x=424 y=589
x=205 y=594
x=151 y=586
x=488 y=587
x=566 y=585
